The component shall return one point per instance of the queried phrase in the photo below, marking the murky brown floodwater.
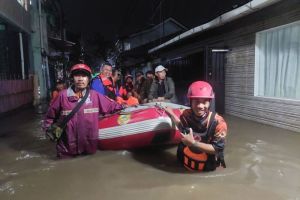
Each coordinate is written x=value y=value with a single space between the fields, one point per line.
x=263 y=163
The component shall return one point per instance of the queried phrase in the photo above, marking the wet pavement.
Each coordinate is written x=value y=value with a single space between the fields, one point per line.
x=263 y=162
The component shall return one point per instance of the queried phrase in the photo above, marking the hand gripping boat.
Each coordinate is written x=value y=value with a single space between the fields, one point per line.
x=141 y=126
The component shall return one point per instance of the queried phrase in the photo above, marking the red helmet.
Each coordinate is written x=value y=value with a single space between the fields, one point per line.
x=200 y=89
x=81 y=67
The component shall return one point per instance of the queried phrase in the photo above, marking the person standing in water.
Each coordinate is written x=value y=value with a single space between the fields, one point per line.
x=80 y=134
x=203 y=131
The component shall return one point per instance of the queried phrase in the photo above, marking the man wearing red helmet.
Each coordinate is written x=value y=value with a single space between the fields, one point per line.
x=81 y=131
x=203 y=132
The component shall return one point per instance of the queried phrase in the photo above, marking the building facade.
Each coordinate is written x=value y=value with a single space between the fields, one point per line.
x=254 y=59
x=23 y=66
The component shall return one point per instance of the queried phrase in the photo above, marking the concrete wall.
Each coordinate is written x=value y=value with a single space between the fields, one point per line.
x=15 y=14
x=38 y=62
x=39 y=41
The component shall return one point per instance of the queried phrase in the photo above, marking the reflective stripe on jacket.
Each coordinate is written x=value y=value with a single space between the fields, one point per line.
x=81 y=133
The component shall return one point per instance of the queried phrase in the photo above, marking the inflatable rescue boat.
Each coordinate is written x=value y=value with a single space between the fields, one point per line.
x=140 y=126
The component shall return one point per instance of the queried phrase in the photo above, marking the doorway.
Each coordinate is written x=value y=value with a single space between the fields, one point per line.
x=215 y=75
x=184 y=71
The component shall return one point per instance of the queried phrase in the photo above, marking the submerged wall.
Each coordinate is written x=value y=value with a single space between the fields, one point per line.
x=15 y=93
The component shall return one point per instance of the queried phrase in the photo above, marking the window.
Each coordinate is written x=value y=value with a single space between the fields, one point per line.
x=277 y=62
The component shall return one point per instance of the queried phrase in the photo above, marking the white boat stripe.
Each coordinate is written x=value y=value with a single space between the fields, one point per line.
x=159 y=123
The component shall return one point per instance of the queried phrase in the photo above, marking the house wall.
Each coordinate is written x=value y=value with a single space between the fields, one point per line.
x=240 y=66
x=14 y=94
x=239 y=37
x=15 y=14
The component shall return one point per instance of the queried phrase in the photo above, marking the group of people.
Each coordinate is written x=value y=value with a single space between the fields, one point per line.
x=153 y=87
x=76 y=109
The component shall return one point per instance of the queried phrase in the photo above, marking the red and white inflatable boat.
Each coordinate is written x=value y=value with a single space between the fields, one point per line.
x=141 y=126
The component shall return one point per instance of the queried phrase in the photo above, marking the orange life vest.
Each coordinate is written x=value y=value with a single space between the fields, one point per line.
x=132 y=101
x=110 y=90
x=196 y=160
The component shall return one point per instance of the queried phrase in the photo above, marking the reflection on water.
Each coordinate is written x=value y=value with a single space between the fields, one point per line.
x=262 y=163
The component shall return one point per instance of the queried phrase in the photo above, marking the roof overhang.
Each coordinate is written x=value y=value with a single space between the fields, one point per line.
x=162 y=30
x=242 y=11
x=58 y=43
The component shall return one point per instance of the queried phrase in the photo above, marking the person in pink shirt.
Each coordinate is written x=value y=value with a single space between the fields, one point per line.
x=81 y=132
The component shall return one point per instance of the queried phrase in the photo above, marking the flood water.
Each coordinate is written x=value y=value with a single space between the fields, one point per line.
x=263 y=162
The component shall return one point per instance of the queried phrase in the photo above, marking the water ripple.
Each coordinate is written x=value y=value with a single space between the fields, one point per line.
x=27 y=155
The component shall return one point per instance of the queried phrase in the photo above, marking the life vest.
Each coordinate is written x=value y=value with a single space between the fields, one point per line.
x=54 y=95
x=196 y=160
x=132 y=101
x=109 y=89
x=125 y=89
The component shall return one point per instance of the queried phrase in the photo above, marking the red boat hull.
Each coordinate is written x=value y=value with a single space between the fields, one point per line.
x=143 y=126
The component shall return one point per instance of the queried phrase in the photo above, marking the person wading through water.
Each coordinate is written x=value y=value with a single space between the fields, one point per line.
x=79 y=134
x=203 y=131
